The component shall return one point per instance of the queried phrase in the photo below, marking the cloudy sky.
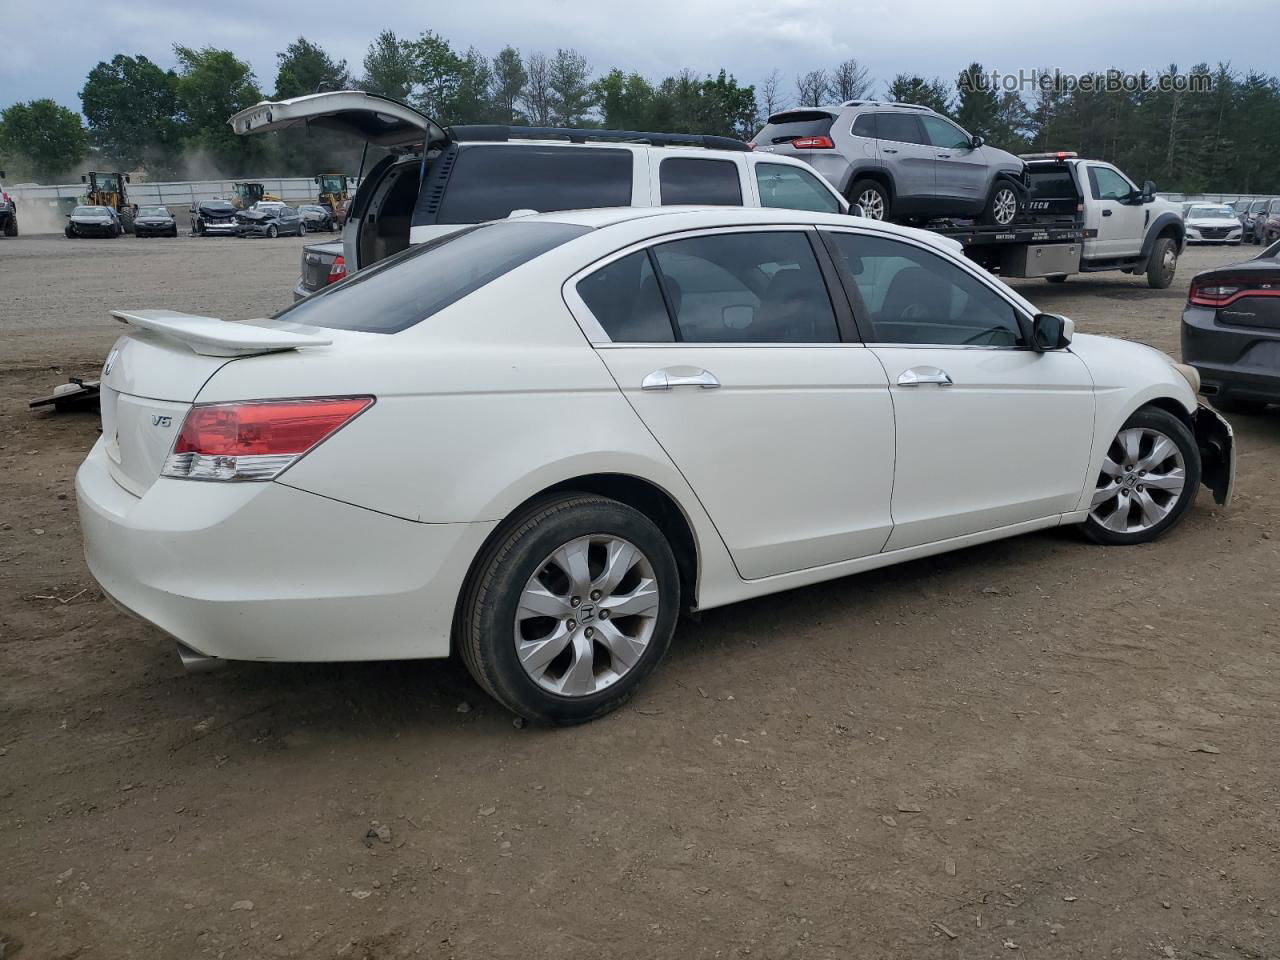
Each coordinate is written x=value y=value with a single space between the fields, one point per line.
x=49 y=45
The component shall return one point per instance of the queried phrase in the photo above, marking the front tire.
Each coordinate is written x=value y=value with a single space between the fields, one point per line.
x=873 y=197
x=1002 y=205
x=1163 y=264
x=272 y=232
x=1148 y=481
x=569 y=608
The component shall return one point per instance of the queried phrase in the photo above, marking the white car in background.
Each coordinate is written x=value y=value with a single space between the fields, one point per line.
x=1213 y=223
x=538 y=440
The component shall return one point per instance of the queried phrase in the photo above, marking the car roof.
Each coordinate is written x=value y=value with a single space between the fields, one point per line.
x=668 y=219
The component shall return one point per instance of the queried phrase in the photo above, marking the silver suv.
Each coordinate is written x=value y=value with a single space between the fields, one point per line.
x=900 y=161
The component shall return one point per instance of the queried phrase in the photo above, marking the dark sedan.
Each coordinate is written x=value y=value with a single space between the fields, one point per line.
x=154 y=222
x=317 y=217
x=270 y=220
x=1231 y=332
x=90 y=221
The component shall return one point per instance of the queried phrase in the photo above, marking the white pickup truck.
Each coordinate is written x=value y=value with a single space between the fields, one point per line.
x=1080 y=216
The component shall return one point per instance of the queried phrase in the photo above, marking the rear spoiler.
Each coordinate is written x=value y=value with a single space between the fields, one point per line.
x=211 y=337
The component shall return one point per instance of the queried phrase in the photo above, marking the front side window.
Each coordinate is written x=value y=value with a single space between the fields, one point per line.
x=406 y=288
x=1109 y=185
x=698 y=181
x=487 y=182
x=793 y=188
x=910 y=295
x=899 y=127
x=943 y=133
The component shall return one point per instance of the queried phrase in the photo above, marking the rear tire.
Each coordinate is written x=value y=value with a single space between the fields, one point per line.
x=526 y=569
x=1163 y=264
x=873 y=197
x=1134 y=500
x=1002 y=205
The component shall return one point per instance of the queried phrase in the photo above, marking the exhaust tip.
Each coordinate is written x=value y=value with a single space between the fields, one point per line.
x=195 y=662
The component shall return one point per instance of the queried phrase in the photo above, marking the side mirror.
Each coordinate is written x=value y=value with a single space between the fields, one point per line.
x=976 y=142
x=1148 y=191
x=1050 y=331
x=855 y=210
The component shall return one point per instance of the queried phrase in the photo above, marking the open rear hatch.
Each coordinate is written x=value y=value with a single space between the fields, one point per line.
x=381 y=121
x=154 y=373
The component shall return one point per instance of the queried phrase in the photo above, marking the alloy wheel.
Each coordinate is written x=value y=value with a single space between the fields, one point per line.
x=872 y=204
x=1004 y=207
x=1141 y=480
x=587 y=615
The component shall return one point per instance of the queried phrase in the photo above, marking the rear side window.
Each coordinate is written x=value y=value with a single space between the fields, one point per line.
x=410 y=286
x=625 y=297
x=693 y=180
x=865 y=126
x=899 y=127
x=488 y=182
x=747 y=288
x=785 y=127
x=791 y=188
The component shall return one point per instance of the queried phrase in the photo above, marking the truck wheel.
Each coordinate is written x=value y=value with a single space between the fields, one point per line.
x=126 y=221
x=1163 y=263
x=1002 y=205
x=873 y=197
x=11 y=226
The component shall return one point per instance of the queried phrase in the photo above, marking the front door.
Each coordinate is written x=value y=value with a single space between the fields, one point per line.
x=727 y=345
x=1120 y=222
x=989 y=433
x=960 y=170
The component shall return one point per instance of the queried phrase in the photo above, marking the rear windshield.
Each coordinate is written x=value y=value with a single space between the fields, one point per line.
x=488 y=182
x=785 y=127
x=1050 y=182
x=416 y=283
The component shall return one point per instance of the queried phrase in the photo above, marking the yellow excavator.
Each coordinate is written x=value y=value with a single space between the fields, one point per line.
x=110 y=190
x=245 y=195
x=333 y=191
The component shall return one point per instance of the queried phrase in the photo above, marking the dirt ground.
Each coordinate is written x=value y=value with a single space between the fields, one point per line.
x=1034 y=748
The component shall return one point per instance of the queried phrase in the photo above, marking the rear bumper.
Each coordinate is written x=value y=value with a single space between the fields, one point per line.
x=262 y=571
x=1235 y=362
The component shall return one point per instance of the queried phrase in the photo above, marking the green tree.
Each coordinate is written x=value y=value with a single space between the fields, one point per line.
x=437 y=76
x=509 y=79
x=626 y=100
x=471 y=99
x=303 y=67
x=569 y=78
x=212 y=85
x=538 y=97
x=911 y=88
x=131 y=105
x=977 y=104
x=389 y=67
x=44 y=137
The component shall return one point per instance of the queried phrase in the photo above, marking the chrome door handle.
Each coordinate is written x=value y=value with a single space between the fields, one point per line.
x=679 y=377
x=921 y=375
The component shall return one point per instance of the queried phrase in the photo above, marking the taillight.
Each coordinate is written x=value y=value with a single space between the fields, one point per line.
x=1225 y=294
x=256 y=440
x=338 y=269
x=813 y=143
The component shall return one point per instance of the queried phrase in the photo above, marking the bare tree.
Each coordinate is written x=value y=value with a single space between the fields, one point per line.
x=538 y=97
x=812 y=88
x=850 y=81
x=771 y=98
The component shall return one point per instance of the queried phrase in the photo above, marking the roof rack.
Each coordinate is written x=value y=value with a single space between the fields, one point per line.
x=500 y=133
x=1053 y=155
x=886 y=103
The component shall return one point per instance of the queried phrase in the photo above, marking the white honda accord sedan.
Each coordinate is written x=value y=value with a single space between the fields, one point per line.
x=539 y=440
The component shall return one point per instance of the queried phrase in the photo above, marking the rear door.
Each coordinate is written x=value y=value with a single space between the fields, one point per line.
x=909 y=158
x=728 y=345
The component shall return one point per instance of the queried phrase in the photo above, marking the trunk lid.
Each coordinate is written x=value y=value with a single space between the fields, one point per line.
x=155 y=371
x=379 y=120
